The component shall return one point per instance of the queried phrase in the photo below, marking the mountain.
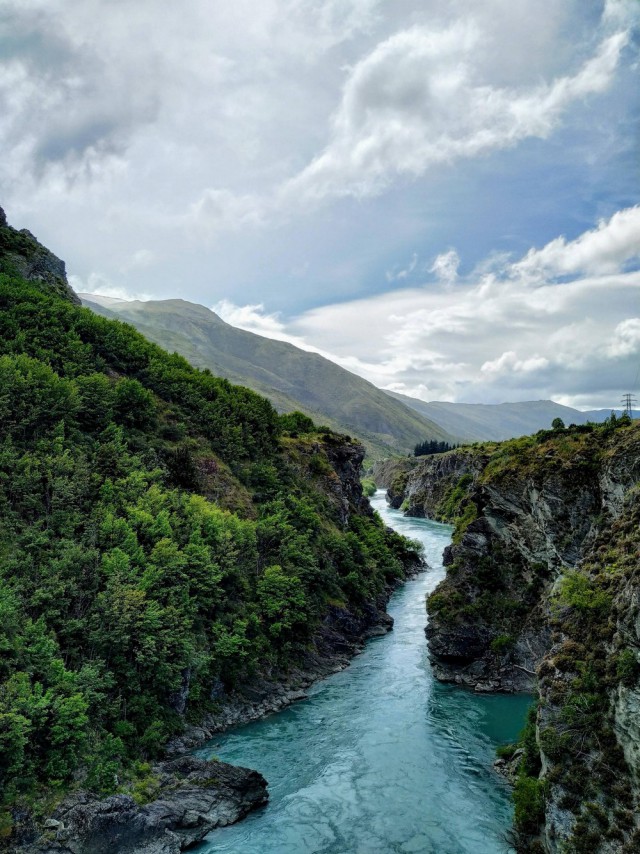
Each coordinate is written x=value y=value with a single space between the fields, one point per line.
x=291 y=378
x=166 y=543
x=473 y=422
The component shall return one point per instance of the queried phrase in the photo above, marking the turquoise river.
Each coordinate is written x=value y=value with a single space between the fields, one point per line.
x=381 y=759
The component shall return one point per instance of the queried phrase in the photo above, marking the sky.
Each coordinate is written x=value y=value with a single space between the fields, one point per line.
x=443 y=196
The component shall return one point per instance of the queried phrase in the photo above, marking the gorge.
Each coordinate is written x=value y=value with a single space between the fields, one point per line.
x=541 y=593
x=381 y=757
x=176 y=558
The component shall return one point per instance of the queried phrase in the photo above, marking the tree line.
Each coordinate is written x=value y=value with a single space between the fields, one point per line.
x=432 y=446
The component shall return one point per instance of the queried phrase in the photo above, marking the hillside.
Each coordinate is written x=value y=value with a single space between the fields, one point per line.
x=291 y=378
x=167 y=541
x=541 y=594
x=473 y=422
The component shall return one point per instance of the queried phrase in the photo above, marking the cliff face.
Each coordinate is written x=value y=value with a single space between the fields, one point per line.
x=542 y=594
x=23 y=256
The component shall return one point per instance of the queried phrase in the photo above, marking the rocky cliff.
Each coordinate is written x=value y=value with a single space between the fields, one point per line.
x=23 y=256
x=541 y=595
x=190 y=798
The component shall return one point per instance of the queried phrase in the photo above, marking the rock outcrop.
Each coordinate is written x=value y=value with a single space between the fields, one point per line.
x=193 y=797
x=437 y=484
x=542 y=594
x=22 y=255
x=385 y=472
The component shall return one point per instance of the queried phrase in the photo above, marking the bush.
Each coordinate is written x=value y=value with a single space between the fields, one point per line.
x=627 y=667
x=368 y=487
x=529 y=801
x=296 y=423
x=502 y=643
x=579 y=591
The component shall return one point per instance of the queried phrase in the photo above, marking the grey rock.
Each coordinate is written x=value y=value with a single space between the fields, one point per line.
x=21 y=254
x=196 y=796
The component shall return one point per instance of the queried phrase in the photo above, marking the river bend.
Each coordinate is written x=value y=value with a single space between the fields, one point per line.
x=381 y=759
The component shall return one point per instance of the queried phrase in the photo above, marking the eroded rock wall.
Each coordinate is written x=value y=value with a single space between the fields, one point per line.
x=541 y=595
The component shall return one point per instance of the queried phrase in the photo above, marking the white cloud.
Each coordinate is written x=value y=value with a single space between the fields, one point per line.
x=102 y=286
x=626 y=339
x=445 y=266
x=605 y=249
x=139 y=260
x=241 y=150
x=500 y=337
x=416 y=101
x=509 y=362
x=396 y=275
x=253 y=318
x=221 y=210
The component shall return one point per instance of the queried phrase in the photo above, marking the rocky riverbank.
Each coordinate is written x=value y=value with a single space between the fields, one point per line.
x=192 y=797
x=541 y=594
x=341 y=636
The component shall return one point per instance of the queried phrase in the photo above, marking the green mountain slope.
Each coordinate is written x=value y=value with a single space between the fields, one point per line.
x=163 y=540
x=473 y=422
x=290 y=377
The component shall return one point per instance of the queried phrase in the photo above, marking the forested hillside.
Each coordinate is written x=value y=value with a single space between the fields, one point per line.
x=161 y=532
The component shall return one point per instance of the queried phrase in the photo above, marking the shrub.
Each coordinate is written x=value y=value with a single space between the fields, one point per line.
x=368 y=486
x=502 y=643
x=627 y=667
x=529 y=799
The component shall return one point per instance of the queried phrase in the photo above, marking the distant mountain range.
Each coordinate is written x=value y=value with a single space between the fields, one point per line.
x=481 y=421
x=387 y=422
x=290 y=377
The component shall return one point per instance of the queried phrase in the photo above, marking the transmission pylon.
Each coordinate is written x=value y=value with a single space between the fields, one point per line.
x=629 y=401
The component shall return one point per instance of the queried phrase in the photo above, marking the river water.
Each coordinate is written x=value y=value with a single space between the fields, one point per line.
x=381 y=759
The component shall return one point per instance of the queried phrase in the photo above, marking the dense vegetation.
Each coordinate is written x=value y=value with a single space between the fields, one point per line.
x=431 y=446
x=162 y=532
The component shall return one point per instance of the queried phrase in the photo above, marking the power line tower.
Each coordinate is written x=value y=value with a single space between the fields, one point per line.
x=629 y=402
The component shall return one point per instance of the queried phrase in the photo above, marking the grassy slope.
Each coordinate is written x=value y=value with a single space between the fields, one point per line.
x=291 y=378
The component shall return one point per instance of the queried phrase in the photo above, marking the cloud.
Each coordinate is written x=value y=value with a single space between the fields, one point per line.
x=499 y=337
x=102 y=286
x=445 y=266
x=396 y=275
x=626 y=339
x=605 y=249
x=416 y=101
x=217 y=149
x=221 y=210
x=140 y=260
x=509 y=362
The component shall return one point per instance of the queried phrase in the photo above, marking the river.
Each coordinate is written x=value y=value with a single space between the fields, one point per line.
x=381 y=759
